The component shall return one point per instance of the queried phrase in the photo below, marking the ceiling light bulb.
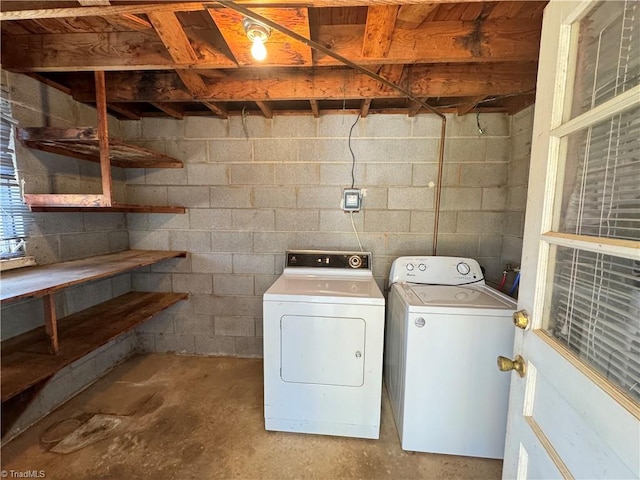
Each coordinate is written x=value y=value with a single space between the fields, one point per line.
x=258 y=50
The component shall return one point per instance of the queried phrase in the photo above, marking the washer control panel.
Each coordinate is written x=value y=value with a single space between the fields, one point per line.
x=321 y=259
x=436 y=270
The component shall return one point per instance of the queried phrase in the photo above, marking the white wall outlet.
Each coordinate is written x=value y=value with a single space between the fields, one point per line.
x=351 y=199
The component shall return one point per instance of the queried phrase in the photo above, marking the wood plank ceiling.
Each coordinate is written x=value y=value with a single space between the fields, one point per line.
x=172 y=58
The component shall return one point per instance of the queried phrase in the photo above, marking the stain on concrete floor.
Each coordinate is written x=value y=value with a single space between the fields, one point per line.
x=202 y=418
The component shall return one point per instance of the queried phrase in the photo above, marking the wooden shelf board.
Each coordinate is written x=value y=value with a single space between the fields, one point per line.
x=117 y=207
x=26 y=361
x=47 y=279
x=82 y=143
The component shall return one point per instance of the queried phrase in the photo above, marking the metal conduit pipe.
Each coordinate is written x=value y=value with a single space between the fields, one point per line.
x=321 y=48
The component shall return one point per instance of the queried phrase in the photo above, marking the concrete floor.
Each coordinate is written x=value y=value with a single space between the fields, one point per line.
x=202 y=418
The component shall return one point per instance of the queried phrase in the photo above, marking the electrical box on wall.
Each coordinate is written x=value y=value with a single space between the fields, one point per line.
x=351 y=199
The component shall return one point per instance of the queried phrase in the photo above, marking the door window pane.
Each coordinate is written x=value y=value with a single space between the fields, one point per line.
x=608 y=57
x=595 y=311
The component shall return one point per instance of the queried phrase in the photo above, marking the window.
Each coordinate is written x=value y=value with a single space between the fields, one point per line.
x=595 y=297
x=15 y=215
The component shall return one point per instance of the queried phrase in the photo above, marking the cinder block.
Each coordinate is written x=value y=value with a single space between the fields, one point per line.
x=130 y=130
x=82 y=245
x=228 y=305
x=400 y=244
x=495 y=199
x=490 y=246
x=221 y=151
x=386 y=220
x=205 y=127
x=521 y=145
x=21 y=316
x=390 y=126
x=424 y=173
x=168 y=221
x=253 y=220
x=161 y=323
x=45 y=249
x=181 y=344
x=498 y=149
x=340 y=174
x=410 y=198
x=511 y=249
x=375 y=198
x=281 y=150
x=173 y=265
x=232 y=241
x=460 y=150
x=488 y=223
x=457 y=245
x=338 y=126
x=484 y=175
x=423 y=222
x=371 y=242
x=146 y=342
x=54 y=223
x=514 y=223
x=211 y=263
x=209 y=219
x=209 y=345
x=137 y=221
x=263 y=282
x=250 y=347
x=208 y=174
x=233 y=284
x=165 y=128
x=101 y=222
x=146 y=195
x=413 y=150
x=518 y=173
x=121 y=284
x=339 y=221
x=193 y=324
x=188 y=151
x=192 y=282
x=492 y=125
x=234 y=326
x=253 y=263
x=297 y=220
x=149 y=240
x=231 y=197
x=294 y=126
x=324 y=150
x=517 y=199
x=259 y=327
x=166 y=176
x=272 y=242
x=190 y=240
x=428 y=126
x=456 y=199
x=150 y=282
x=252 y=174
x=388 y=174
x=297 y=174
x=319 y=197
x=86 y=295
x=273 y=197
x=192 y=197
x=522 y=121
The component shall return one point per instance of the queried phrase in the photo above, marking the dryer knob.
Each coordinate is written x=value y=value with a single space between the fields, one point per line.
x=420 y=322
x=410 y=267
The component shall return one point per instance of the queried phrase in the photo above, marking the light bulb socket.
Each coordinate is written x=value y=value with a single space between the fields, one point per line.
x=255 y=29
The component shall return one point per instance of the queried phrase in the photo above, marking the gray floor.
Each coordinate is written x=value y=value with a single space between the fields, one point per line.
x=201 y=418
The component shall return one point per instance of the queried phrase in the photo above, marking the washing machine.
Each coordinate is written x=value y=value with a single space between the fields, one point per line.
x=323 y=322
x=445 y=329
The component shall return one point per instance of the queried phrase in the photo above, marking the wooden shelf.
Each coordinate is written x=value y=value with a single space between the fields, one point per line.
x=26 y=361
x=83 y=144
x=70 y=203
x=48 y=279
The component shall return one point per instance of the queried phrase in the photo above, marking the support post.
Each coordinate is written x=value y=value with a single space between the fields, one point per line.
x=51 y=322
x=103 y=138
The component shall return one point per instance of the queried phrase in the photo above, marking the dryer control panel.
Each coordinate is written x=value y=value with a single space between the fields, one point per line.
x=436 y=270
x=321 y=259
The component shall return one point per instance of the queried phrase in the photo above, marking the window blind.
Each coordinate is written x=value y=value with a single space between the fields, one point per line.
x=15 y=215
x=595 y=299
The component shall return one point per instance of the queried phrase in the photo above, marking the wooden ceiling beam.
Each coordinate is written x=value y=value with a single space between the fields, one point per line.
x=265 y=108
x=169 y=110
x=416 y=107
x=381 y=21
x=193 y=81
x=170 y=31
x=306 y=84
x=315 y=110
x=435 y=42
x=365 y=105
x=470 y=104
x=412 y=16
x=217 y=109
x=126 y=112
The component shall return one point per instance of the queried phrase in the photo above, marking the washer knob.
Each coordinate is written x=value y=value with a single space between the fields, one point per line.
x=463 y=268
x=410 y=267
x=355 y=261
x=422 y=267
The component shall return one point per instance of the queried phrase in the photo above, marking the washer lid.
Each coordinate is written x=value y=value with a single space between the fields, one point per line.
x=458 y=296
x=325 y=289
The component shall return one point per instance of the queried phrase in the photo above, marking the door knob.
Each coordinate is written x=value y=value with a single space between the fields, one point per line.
x=518 y=364
x=521 y=319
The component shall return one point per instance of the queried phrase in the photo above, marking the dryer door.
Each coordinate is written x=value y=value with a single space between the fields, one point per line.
x=322 y=350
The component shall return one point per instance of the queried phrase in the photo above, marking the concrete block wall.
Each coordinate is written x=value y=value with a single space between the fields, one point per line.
x=55 y=237
x=257 y=187
x=517 y=184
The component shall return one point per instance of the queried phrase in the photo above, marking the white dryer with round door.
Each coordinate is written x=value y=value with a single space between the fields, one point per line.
x=445 y=329
x=323 y=339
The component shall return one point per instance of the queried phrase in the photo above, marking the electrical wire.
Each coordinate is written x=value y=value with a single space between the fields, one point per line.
x=353 y=156
x=355 y=230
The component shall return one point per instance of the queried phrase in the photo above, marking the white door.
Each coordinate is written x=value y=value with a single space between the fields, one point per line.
x=575 y=412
